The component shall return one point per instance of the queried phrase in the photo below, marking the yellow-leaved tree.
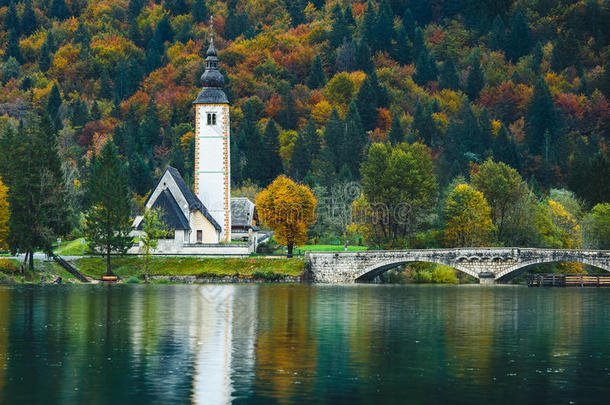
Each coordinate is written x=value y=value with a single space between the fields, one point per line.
x=468 y=218
x=567 y=235
x=4 y=216
x=289 y=209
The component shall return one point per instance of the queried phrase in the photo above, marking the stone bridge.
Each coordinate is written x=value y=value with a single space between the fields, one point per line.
x=489 y=265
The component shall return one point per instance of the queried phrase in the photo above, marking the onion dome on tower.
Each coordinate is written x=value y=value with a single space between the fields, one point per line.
x=212 y=80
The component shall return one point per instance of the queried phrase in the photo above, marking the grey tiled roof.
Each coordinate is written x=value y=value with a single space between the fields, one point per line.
x=172 y=215
x=242 y=211
x=211 y=95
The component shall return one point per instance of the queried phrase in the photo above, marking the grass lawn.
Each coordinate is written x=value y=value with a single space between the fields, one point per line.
x=71 y=248
x=126 y=267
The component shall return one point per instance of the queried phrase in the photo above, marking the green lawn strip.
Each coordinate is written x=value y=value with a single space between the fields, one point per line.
x=126 y=267
x=71 y=248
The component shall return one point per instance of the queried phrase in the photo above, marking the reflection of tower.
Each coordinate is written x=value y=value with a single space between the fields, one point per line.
x=225 y=331
x=212 y=134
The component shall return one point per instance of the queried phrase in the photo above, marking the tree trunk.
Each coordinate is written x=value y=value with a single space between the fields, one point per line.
x=31 y=260
x=290 y=246
x=146 y=270
x=108 y=269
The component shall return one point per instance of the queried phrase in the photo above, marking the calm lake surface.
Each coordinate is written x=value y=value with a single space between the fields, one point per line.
x=214 y=344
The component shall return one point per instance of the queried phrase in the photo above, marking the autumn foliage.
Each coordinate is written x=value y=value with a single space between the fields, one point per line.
x=289 y=209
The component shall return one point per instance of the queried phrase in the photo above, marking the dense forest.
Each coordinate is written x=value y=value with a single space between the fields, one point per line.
x=333 y=92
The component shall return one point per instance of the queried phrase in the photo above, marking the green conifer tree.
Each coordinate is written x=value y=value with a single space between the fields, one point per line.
x=108 y=220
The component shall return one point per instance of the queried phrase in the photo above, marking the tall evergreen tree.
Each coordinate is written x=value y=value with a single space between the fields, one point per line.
x=475 y=81
x=565 y=51
x=300 y=163
x=367 y=103
x=272 y=152
x=53 y=104
x=339 y=29
x=334 y=139
x=140 y=175
x=149 y=133
x=422 y=11
x=39 y=210
x=383 y=30
x=108 y=220
x=363 y=56
x=11 y=19
x=28 y=18
x=505 y=149
x=200 y=11
x=12 y=49
x=497 y=36
x=541 y=117
x=368 y=25
x=317 y=77
x=59 y=9
x=354 y=140
x=397 y=134
x=448 y=78
x=519 y=40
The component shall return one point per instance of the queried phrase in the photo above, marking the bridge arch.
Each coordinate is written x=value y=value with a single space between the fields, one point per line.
x=370 y=272
x=520 y=268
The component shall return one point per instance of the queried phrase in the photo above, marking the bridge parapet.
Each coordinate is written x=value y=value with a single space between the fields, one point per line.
x=486 y=264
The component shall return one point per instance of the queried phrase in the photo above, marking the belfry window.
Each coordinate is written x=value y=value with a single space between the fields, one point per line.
x=211 y=119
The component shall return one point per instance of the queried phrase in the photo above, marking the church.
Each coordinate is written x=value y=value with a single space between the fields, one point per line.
x=199 y=221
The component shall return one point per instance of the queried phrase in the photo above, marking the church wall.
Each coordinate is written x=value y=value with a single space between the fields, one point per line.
x=199 y=222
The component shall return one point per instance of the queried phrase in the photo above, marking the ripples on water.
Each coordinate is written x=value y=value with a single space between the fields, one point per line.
x=214 y=344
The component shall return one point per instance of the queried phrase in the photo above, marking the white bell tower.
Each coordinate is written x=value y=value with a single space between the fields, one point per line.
x=212 y=143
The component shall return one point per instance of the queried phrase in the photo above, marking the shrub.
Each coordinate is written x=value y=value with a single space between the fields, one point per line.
x=422 y=276
x=8 y=266
x=265 y=275
x=133 y=280
x=444 y=275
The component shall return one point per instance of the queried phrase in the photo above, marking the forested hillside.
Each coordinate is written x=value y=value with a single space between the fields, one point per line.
x=313 y=84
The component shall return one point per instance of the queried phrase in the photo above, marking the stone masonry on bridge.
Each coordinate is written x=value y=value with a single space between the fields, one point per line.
x=489 y=265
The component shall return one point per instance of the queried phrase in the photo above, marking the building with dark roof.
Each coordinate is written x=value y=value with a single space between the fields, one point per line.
x=183 y=214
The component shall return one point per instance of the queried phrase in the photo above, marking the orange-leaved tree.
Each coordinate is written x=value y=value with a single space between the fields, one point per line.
x=289 y=209
x=4 y=215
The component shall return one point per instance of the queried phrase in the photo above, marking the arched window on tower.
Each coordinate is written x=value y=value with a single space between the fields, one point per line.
x=211 y=118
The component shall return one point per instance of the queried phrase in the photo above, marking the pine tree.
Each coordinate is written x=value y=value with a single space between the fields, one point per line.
x=154 y=52
x=11 y=19
x=44 y=61
x=383 y=30
x=363 y=56
x=334 y=139
x=108 y=222
x=272 y=152
x=475 y=82
x=565 y=52
x=422 y=11
x=403 y=48
x=287 y=116
x=164 y=30
x=12 y=49
x=505 y=149
x=423 y=126
x=28 y=19
x=317 y=77
x=346 y=57
x=80 y=115
x=448 y=76
x=519 y=41
x=200 y=11
x=540 y=118
x=140 y=175
x=367 y=103
x=295 y=9
x=368 y=25
x=133 y=8
x=300 y=163
x=177 y=7
x=96 y=114
x=354 y=140
x=397 y=134
x=39 y=210
x=53 y=104
x=497 y=36
x=426 y=70
x=408 y=21
x=59 y=9
x=339 y=29
x=149 y=134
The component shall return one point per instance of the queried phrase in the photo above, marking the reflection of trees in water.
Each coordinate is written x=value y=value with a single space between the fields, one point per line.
x=286 y=350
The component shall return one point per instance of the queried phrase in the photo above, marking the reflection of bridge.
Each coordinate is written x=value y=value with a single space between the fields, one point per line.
x=489 y=265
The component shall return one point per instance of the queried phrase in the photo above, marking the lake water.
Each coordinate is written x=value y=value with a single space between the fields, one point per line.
x=214 y=344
